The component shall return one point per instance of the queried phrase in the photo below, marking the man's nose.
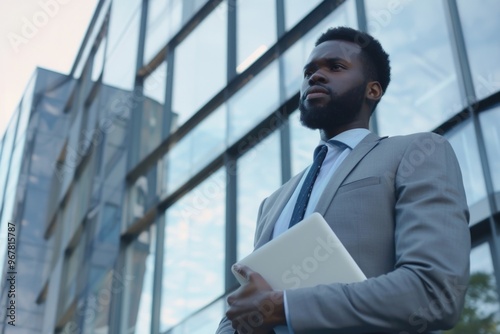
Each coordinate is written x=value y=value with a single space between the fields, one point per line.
x=317 y=77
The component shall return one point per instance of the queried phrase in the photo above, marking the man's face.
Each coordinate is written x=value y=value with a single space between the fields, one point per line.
x=334 y=85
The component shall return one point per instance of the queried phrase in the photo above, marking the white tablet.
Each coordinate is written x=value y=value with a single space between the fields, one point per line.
x=308 y=254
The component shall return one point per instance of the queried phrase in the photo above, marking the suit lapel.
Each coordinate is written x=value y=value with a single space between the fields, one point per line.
x=362 y=149
x=276 y=207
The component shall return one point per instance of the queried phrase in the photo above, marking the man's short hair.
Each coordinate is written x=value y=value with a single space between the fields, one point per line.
x=375 y=59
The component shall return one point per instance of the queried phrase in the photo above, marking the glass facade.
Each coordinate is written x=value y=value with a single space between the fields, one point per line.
x=197 y=78
x=138 y=181
x=424 y=90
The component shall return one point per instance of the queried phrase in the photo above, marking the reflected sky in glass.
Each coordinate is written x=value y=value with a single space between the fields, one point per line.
x=8 y=145
x=424 y=89
x=155 y=84
x=464 y=144
x=295 y=10
x=193 y=267
x=25 y=110
x=259 y=174
x=121 y=51
x=164 y=19
x=303 y=143
x=480 y=27
x=207 y=321
x=138 y=302
x=200 y=65
x=490 y=123
x=251 y=104
x=195 y=150
x=481 y=263
x=256 y=29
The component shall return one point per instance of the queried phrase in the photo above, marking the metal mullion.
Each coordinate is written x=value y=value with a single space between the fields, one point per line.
x=290 y=37
x=169 y=88
x=142 y=35
x=14 y=135
x=232 y=42
x=231 y=249
x=231 y=219
x=293 y=35
x=285 y=145
x=467 y=87
x=186 y=29
x=135 y=119
x=363 y=26
x=158 y=273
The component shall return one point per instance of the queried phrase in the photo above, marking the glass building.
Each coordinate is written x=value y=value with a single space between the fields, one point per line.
x=134 y=182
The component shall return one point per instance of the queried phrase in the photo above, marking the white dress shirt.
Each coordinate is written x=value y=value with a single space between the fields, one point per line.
x=335 y=156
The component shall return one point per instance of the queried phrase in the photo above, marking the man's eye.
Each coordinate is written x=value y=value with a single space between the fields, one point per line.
x=336 y=67
x=307 y=74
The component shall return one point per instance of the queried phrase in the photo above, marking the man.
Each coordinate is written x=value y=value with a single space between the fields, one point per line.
x=397 y=204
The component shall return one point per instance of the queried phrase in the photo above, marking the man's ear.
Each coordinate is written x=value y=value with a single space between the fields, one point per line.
x=374 y=91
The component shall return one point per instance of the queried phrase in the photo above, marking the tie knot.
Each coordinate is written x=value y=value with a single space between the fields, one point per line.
x=320 y=152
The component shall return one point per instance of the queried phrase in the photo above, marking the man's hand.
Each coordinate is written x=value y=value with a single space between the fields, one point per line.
x=255 y=308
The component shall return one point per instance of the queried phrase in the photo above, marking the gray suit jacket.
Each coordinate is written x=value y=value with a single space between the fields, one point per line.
x=399 y=207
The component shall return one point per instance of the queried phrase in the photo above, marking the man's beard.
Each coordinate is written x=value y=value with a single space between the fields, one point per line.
x=339 y=111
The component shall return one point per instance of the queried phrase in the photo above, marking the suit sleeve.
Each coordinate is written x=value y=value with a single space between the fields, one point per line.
x=426 y=289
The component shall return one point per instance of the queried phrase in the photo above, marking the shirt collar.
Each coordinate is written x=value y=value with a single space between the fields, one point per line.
x=350 y=138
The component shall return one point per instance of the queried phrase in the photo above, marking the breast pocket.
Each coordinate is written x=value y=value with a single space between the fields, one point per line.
x=366 y=182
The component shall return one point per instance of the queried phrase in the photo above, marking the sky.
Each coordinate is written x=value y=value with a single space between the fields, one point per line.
x=43 y=33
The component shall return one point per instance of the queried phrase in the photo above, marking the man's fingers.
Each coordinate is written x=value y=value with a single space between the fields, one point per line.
x=244 y=271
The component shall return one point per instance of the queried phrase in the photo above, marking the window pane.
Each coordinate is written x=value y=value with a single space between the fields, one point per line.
x=90 y=130
x=74 y=262
x=6 y=155
x=464 y=144
x=259 y=174
x=153 y=111
x=165 y=17
x=86 y=183
x=95 y=318
x=480 y=28
x=25 y=111
x=480 y=314
x=303 y=142
x=200 y=66
x=256 y=29
x=251 y=104
x=138 y=295
x=142 y=195
x=424 y=89
x=193 y=266
x=193 y=152
x=295 y=58
x=123 y=36
x=74 y=152
x=490 y=123
x=207 y=321
x=296 y=10
x=98 y=64
x=8 y=213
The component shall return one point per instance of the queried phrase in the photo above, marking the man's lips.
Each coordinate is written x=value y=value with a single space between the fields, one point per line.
x=316 y=92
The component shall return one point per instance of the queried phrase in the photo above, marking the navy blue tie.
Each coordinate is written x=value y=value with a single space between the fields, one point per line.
x=307 y=186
